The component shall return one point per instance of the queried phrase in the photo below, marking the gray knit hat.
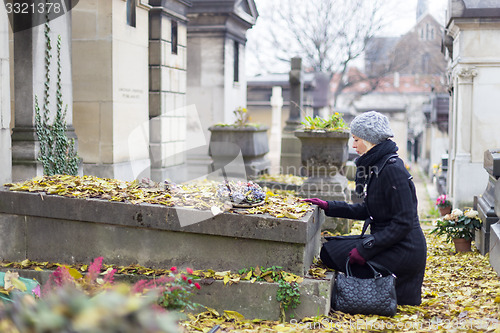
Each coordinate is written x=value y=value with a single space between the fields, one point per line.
x=372 y=127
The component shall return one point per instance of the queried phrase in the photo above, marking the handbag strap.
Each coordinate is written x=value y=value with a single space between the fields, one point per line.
x=370 y=219
x=372 y=265
x=348 y=272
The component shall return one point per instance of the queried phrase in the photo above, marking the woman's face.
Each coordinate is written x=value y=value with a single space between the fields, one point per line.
x=361 y=146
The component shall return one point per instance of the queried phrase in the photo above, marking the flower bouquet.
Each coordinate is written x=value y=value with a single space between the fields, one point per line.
x=458 y=225
x=241 y=194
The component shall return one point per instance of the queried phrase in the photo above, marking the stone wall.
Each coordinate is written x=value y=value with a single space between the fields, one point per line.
x=110 y=76
x=167 y=92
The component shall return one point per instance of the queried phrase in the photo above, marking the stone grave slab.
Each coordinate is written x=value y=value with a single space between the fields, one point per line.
x=50 y=228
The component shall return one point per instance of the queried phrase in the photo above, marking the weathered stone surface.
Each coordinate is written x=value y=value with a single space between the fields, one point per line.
x=252 y=300
x=486 y=210
x=258 y=300
x=75 y=230
x=279 y=186
x=492 y=162
x=495 y=247
x=226 y=143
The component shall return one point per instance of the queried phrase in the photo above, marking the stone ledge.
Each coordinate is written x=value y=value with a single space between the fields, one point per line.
x=258 y=299
x=253 y=300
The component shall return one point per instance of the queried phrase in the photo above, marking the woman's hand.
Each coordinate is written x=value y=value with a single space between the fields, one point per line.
x=320 y=203
x=356 y=258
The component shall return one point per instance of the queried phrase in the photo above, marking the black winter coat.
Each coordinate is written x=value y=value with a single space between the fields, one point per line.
x=391 y=202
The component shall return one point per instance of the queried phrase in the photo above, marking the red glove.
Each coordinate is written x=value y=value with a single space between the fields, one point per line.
x=356 y=258
x=320 y=203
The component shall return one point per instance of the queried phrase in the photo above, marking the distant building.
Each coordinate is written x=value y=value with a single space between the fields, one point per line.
x=401 y=76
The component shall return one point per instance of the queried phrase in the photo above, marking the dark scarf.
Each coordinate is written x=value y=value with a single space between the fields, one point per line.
x=370 y=159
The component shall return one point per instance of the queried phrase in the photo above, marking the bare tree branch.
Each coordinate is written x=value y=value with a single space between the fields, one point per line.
x=327 y=34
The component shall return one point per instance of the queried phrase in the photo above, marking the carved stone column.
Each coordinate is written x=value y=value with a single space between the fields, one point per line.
x=5 y=146
x=460 y=135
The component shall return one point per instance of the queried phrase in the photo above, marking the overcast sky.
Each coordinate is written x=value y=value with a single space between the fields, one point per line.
x=403 y=13
x=406 y=11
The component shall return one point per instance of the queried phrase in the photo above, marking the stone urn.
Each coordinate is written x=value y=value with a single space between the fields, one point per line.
x=228 y=142
x=323 y=156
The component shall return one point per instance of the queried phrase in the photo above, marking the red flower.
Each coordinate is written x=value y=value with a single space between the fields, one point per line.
x=184 y=278
x=189 y=270
x=173 y=269
x=197 y=285
x=190 y=281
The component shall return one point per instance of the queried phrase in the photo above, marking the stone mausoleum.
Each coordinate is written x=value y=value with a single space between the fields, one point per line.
x=142 y=80
x=472 y=29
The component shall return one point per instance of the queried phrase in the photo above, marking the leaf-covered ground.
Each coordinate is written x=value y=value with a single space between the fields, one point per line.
x=461 y=293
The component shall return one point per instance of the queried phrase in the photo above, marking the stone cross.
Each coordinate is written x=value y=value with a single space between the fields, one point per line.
x=290 y=145
x=296 y=94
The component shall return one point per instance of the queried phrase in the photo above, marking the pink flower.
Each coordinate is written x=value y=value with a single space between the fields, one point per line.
x=95 y=269
x=189 y=270
x=61 y=276
x=36 y=291
x=197 y=285
x=109 y=277
x=139 y=286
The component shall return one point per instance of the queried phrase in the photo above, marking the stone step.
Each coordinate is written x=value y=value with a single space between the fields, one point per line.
x=252 y=300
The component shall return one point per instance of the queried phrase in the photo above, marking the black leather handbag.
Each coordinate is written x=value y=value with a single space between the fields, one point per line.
x=372 y=296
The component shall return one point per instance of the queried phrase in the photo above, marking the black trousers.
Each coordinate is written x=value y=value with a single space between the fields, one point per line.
x=410 y=275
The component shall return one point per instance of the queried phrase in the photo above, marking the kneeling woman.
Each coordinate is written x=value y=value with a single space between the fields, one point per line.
x=390 y=206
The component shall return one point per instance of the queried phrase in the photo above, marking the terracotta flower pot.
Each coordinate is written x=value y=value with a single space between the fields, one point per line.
x=444 y=210
x=462 y=244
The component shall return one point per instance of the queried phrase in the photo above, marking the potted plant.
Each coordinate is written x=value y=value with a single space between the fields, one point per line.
x=443 y=204
x=324 y=154
x=324 y=144
x=459 y=227
x=324 y=148
x=228 y=140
